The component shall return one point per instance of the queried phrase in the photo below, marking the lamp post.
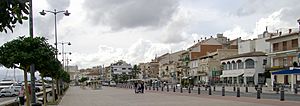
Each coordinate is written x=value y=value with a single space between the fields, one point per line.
x=66 y=13
x=298 y=42
x=63 y=53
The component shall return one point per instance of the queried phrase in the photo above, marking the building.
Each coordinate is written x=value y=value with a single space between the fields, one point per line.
x=121 y=67
x=284 y=54
x=248 y=66
x=168 y=64
x=149 y=70
x=197 y=67
x=73 y=72
x=209 y=68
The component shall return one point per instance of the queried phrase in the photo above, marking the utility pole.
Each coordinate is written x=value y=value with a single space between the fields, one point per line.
x=32 y=67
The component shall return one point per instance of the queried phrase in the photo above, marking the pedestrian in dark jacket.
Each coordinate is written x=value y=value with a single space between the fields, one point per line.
x=135 y=87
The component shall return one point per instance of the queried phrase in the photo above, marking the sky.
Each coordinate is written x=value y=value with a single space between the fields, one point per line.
x=104 y=31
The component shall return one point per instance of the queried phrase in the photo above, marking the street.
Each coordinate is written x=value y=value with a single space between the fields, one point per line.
x=110 y=96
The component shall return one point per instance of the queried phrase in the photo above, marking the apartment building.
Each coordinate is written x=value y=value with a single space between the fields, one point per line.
x=284 y=54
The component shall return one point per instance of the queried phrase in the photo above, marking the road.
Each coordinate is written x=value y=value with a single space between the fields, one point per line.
x=3 y=99
x=111 y=96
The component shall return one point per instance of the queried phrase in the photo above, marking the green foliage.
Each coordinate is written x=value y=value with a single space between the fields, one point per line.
x=135 y=71
x=11 y=12
x=83 y=79
x=49 y=68
x=65 y=76
x=25 y=51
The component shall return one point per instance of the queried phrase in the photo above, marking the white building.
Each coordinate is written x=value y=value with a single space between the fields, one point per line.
x=249 y=65
x=244 y=68
x=120 y=67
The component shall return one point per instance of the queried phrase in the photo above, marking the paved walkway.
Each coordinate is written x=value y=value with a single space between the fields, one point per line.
x=126 y=97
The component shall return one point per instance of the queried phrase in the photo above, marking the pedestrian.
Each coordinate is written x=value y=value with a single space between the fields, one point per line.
x=142 y=86
x=21 y=96
x=135 y=87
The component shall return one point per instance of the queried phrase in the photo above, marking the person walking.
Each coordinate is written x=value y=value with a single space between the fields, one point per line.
x=21 y=96
x=142 y=87
x=135 y=87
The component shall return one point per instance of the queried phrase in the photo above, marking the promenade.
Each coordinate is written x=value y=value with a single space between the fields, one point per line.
x=110 y=96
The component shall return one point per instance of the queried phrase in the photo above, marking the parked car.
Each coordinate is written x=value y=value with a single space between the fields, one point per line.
x=112 y=83
x=8 y=92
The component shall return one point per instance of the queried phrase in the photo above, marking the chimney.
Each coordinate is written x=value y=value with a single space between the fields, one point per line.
x=266 y=28
x=290 y=30
x=205 y=38
x=210 y=36
x=280 y=33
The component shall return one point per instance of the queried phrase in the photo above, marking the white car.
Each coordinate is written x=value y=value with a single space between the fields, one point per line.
x=8 y=92
x=112 y=83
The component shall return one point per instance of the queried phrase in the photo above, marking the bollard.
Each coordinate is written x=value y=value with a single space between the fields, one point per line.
x=258 y=93
x=214 y=88
x=189 y=89
x=174 y=89
x=209 y=90
x=234 y=88
x=282 y=94
x=238 y=92
x=156 y=88
x=198 y=90
x=162 y=88
x=223 y=90
x=277 y=89
x=167 y=88
x=180 y=89
x=149 y=87
x=246 y=89
x=153 y=88
x=295 y=89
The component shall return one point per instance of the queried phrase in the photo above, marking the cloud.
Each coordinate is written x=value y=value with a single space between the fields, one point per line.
x=130 y=13
x=44 y=25
x=140 y=51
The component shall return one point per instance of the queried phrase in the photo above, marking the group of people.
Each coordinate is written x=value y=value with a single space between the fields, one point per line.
x=139 y=87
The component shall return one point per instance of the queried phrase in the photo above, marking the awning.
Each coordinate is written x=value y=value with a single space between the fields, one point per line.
x=232 y=73
x=249 y=73
x=291 y=71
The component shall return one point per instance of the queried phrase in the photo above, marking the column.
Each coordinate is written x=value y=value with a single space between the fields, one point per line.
x=292 y=82
x=272 y=80
x=245 y=80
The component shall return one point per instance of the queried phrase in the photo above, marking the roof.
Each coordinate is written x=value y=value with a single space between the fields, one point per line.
x=282 y=36
x=250 y=54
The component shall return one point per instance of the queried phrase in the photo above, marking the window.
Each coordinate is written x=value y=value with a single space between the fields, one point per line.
x=294 y=43
x=249 y=63
x=224 y=66
x=284 y=45
x=130 y=68
x=275 y=47
x=234 y=65
x=240 y=64
x=285 y=62
x=229 y=66
x=123 y=68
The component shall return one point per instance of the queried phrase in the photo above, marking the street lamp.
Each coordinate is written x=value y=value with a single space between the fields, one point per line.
x=63 y=53
x=66 y=13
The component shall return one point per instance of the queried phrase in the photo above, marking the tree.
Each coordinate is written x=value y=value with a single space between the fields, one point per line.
x=24 y=51
x=135 y=71
x=11 y=12
x=48 y=69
